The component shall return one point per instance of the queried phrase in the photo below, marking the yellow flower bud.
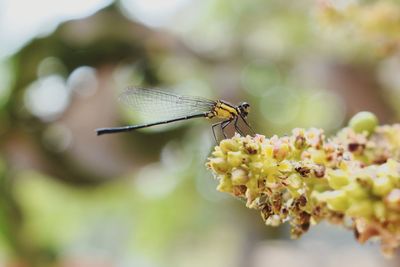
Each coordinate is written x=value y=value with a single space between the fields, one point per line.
x=392 y=200
x=229 y=145
x=267 y=151
x=218 y=165
x=239 y=177
x=225 y=184
x=338 y=178
x=218 y=153
x=355 y=191
x=273 y=220
x=318 y=156
x=294 y=181
x=363 y=122
x=235 y=159
x=281 y=151
x=382 y=186
x=363 y=208
x=336 y=200
x=285 y=166
x=380 y=210
x=256 y=167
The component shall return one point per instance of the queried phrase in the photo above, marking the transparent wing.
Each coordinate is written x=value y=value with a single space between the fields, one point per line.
x=154 y=105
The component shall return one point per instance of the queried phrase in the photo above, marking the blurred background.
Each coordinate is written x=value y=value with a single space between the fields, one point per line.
x=70 y=198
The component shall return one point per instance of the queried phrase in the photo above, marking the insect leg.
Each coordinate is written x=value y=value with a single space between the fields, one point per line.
x=237 y=127
x=248 y=125
x=213 y=130
x=224 y=124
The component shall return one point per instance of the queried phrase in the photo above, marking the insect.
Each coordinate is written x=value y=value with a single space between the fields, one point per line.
x=166 y=107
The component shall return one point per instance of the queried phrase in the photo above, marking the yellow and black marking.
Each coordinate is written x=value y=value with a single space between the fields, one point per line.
x=150 y=99
x=224 y=110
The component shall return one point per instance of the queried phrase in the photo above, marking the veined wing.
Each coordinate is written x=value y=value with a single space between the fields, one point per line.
x=156 y=105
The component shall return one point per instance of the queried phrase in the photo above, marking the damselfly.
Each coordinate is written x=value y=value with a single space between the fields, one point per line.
x=167 y=107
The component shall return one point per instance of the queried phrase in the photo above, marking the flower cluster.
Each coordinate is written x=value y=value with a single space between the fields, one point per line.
x=352 y=179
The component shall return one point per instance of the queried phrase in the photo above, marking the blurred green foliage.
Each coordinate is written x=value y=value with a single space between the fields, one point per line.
x=144 y=199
